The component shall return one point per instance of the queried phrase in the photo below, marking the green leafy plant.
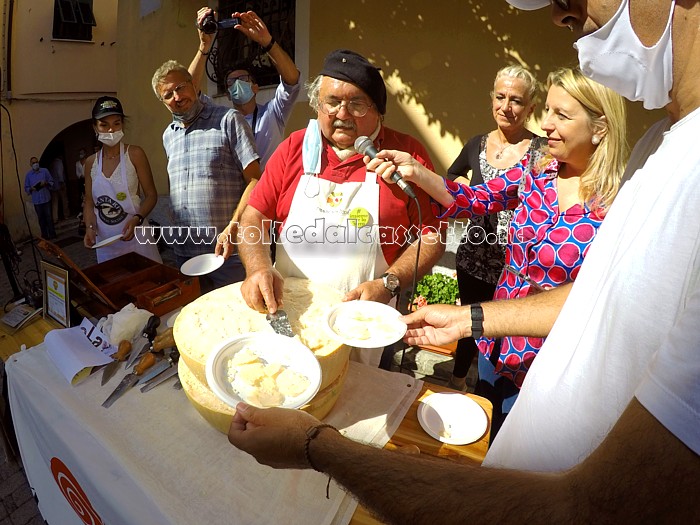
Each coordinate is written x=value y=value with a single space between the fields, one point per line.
x=436 y=288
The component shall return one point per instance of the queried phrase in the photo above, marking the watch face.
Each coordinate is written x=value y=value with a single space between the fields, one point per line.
x=391 y=282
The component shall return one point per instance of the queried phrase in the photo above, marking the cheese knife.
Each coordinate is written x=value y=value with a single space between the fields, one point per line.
x=129 y=380
x=162 y=378
x=143 y=343
x=163 y=365
x=280 y=323
x=121 y=355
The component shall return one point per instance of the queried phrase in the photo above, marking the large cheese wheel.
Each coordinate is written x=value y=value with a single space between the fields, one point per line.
x=219 y=414
x=204 y=324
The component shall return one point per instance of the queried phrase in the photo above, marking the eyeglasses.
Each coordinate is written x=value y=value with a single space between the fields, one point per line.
x=354 y=107
x=168 y=95
x=244 y=78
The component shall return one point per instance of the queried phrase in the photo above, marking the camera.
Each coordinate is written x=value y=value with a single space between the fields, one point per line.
x=209 y=24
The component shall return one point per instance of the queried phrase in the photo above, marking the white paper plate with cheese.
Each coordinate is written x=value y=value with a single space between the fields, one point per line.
x=265 y=370
x=365 y=324
x=452 y=418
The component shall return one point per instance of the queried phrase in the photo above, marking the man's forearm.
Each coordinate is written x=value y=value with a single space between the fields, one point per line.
x=402 y=489
x=254 y=241
x=531 y=316
x=432 y=248
x=285 y=65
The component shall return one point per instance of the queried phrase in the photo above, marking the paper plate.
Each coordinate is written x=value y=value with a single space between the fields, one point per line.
x=202 y=264
x=170 y=321
x=108 y=241
x=452 y=418
x=365 y=324
x=269 y=348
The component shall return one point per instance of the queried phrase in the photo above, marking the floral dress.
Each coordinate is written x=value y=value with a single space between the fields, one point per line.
x=545 y=244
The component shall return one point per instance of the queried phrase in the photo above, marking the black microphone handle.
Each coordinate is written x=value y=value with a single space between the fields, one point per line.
x=371 y=152
x=405 y=186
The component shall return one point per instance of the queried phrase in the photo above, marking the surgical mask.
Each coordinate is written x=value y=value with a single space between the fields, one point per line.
x=81 y=156
x=35 y=166
x=614 y=57
x=191 y=115
x=110 y=139
x=241 y=92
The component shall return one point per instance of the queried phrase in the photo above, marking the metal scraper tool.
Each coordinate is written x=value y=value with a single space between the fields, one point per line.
x=280 y=323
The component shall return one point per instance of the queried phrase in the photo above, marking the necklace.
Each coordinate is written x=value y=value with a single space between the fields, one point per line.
x=110 y=156
x=499 y=155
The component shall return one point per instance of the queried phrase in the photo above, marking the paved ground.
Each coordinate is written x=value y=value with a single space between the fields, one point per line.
x=17 y=505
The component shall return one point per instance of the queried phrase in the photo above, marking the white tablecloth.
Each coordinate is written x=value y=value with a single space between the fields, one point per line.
x=151 y=458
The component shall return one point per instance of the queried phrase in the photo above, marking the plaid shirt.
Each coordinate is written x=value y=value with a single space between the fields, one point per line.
x=205 y=167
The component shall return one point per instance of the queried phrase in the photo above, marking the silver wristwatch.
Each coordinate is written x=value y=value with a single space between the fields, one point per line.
x=391 y=283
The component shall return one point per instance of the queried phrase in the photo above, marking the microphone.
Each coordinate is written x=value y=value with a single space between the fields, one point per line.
x=364 y=146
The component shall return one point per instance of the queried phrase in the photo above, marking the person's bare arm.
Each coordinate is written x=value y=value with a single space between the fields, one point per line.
x=389 y=161
x=254 y=28
x=262 y=288
x=199 y=62
x=89 y=217
x=150 y=194
x=640 y=473
x=531 y=316
x=432 y=248
x=226 y=241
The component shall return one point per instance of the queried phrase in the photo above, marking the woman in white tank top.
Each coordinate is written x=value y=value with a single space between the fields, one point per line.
x=113 y=206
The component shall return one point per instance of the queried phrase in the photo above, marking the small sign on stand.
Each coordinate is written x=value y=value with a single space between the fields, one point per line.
x=56 y=293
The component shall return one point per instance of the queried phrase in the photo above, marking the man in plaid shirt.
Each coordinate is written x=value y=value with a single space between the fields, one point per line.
x=212 y=166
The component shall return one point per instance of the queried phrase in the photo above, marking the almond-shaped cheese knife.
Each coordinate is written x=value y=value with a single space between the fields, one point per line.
x=280 y=323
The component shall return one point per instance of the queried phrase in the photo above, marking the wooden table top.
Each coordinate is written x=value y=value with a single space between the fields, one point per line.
x=29 y=335
x=409 y=432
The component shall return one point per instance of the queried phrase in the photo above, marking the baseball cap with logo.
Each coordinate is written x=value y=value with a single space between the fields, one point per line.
x=106 y=106
x=529 y=5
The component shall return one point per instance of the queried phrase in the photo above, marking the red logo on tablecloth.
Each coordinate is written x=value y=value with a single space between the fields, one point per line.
x=73 y=492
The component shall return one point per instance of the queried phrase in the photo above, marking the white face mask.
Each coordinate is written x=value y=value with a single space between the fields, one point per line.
x=614 y=57
x=110 y=139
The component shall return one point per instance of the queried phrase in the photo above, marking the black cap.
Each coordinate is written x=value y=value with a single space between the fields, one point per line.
x=106 y=106
x=348 y=66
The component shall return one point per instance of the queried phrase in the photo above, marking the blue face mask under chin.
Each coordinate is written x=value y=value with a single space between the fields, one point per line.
x=241 y=92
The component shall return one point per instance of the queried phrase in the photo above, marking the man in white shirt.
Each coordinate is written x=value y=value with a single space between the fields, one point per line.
x=607 y=426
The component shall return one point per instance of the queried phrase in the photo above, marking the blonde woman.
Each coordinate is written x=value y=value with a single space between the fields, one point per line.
x=560 y=202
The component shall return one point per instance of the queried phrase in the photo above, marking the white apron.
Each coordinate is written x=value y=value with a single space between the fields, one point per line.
x=114 y=205
x=331 y=235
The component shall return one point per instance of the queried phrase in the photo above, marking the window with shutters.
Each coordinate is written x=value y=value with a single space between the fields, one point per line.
x=73 y=20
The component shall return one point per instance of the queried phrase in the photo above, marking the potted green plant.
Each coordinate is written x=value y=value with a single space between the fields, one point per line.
x=436 y=288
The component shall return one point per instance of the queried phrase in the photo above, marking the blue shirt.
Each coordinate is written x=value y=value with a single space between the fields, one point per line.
x=43 y=195
x=271 y=119
x=205 y=168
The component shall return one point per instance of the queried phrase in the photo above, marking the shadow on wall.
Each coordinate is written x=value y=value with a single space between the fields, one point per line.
x=439 y=60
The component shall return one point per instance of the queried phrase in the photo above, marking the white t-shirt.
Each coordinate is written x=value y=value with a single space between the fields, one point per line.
x=631 y=325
